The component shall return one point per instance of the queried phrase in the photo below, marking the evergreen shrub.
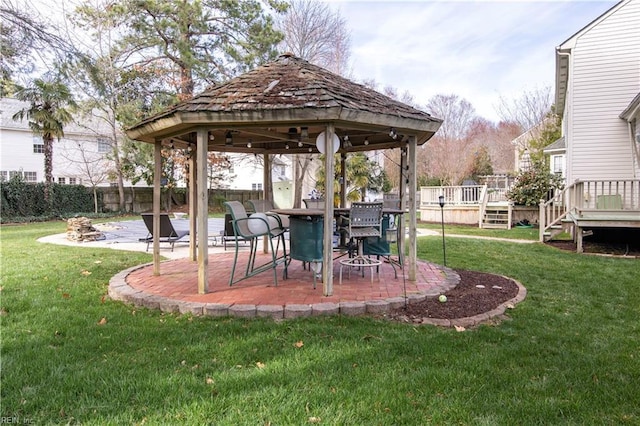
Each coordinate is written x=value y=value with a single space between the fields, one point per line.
x=25 y=202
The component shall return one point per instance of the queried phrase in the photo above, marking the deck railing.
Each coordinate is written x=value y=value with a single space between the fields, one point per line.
x=453 y=195
x=589 y=195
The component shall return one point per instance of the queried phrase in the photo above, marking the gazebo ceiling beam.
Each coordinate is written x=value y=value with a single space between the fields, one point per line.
x=345 y=120
x=279 y=142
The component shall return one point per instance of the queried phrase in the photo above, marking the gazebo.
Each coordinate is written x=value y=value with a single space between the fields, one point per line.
x=288 y=106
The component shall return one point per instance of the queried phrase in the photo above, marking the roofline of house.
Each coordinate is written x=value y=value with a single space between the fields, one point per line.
x=564 y=50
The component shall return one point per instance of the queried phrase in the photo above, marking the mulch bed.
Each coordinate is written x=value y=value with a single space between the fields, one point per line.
x=477 y=293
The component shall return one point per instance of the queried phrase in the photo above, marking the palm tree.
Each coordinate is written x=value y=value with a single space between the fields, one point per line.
x=47 y=113
x=362 y=174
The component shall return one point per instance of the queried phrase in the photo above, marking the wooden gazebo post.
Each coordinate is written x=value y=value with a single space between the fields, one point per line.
x=203 y=211
x=402 y=186
x=327 y=264
x=413 y=183
x=157 y=175
x=193 y=205
x=267 y=192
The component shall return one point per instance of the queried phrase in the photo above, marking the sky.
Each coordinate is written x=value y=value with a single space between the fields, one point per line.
x=481 y=51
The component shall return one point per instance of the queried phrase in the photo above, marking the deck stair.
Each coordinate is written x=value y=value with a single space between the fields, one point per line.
x=583 y=206
x=497 y=215
x=552 y=232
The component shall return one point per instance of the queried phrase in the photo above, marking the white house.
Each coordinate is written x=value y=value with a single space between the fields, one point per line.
x=557 y=157
x=522 y=144
x=598 y=95
x=80 y=157
x=597 y=78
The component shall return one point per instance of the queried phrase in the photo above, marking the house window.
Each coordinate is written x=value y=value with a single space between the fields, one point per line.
x=72 y=181
x=30 y=176
x=38 y=148
x=104 y=145
x=256 y=187
x=558 y=166
x=62 y=180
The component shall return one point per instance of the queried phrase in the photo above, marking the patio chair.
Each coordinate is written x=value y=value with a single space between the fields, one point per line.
x=168 y=233
x=251 y=228
x=365 y=221
x=381 y=246
x=266 y=206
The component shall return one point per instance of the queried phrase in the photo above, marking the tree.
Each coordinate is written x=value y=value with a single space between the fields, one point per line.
x=528 y=110
x=314 y=32
x=481 y=163
x=362 y=174
x=90 y=165
x=196 y=43
x=144 y=55
x=101 y=77
x=49 y=110
x=496 y=139
x=550 y=131
x=218 y=170
x=446 y=156
x=24 y=37
x=392 y=157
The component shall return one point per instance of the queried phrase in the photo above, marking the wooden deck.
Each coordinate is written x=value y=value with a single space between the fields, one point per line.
x=587 y=205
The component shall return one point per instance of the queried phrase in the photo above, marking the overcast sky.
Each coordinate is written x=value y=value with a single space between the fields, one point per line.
x=478 y=50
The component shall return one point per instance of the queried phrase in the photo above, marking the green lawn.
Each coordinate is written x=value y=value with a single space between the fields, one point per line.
x=513 y=233
x=569 y=354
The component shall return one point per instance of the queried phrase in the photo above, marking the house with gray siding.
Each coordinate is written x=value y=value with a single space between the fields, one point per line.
x=597 y=93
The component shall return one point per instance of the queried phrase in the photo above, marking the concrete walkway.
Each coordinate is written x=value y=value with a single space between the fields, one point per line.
x=125 y=235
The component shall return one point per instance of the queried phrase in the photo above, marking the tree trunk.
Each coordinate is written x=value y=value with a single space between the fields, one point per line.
x=301 y=164
x=47 y=141
x=95 y=200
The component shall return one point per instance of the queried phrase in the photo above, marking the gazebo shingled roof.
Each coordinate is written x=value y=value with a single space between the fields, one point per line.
x=289 y=93
x=281 y=108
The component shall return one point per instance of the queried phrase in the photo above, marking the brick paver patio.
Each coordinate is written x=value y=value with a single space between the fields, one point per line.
x=176 y=289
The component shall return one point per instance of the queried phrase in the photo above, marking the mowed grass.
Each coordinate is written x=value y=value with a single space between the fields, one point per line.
x=515 y=233
x=569 y=354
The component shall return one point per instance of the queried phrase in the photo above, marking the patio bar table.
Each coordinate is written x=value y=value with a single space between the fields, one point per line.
x=306 y=232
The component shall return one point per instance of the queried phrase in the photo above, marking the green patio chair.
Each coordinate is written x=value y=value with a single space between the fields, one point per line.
x=266 y=206
x=253 y=228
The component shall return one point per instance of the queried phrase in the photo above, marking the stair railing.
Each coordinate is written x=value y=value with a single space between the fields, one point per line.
x=553 y=211
x=484 y=199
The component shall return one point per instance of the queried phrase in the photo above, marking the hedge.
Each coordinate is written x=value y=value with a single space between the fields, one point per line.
x=22 y=201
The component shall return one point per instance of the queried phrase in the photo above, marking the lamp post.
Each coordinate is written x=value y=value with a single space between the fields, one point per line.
x=444 y=251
